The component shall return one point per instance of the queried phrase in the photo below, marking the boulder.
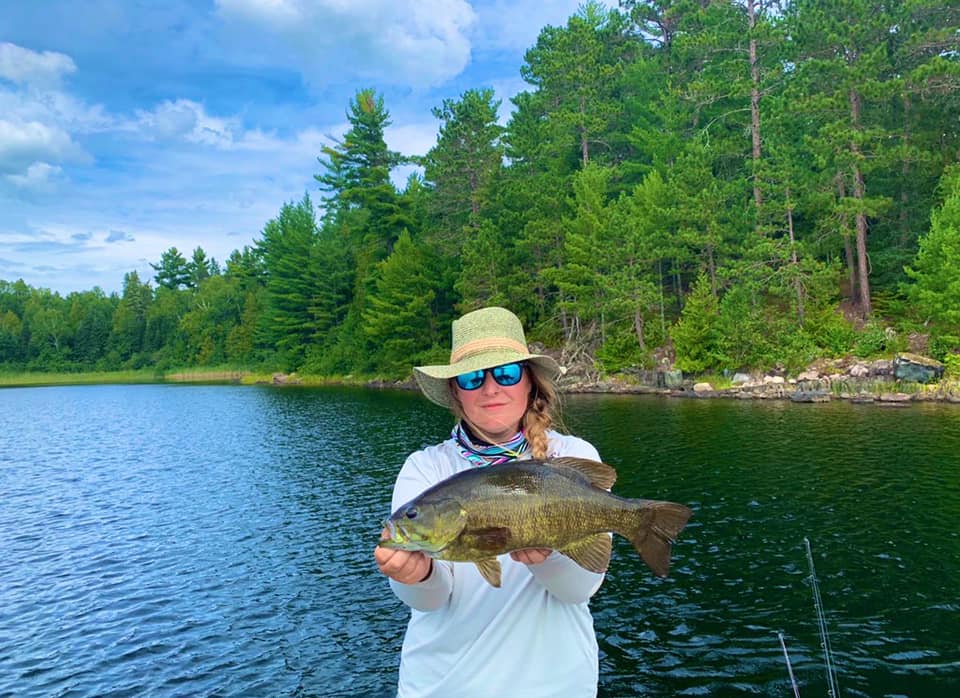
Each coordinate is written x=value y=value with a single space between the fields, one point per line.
x=670 y=379
x=703 y=388
x=810 y=396
x=859 y=370
x=916 y=368
x=882 y=367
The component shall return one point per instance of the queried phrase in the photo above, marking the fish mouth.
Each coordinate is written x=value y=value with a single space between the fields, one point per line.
x=398 y=539
x=397 y=535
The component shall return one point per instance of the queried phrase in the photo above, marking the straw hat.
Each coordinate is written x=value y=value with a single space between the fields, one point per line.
x=482 y=339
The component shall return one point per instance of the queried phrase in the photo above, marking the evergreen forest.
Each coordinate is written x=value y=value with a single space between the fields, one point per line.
x=711 y=184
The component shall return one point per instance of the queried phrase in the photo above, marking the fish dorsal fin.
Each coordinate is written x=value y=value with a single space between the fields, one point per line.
x=489 y=569
x=591 y=553
x=598 y=474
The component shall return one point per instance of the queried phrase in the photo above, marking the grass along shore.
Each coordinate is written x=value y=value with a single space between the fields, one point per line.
x=945 y=390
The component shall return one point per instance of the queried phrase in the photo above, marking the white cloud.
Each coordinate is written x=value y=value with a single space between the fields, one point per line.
x=417 y=44
x=513 y=25
x=24 y=144
x=36 y=177
x=21 y=65
x=411 y=139
x=184 y=119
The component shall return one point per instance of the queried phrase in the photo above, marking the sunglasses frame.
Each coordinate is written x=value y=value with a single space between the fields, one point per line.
x=498 y=378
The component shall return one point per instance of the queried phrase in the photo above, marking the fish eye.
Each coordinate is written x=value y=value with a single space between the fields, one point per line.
x=412 y=513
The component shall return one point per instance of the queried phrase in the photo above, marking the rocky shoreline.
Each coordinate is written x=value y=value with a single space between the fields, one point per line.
x=901 y=381
x=896 y=382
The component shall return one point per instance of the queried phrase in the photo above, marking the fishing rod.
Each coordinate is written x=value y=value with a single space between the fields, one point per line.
x=832 y=687
x=793 y=681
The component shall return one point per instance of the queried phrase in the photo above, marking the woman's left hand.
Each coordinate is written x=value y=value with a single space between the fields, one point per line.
x=531 y=556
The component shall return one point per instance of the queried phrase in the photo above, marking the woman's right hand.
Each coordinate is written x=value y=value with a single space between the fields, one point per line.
x=404 y=566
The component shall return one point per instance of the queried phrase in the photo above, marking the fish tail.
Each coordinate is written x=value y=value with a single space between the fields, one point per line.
x=653 y=528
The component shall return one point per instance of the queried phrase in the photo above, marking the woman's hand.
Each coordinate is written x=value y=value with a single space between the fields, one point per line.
x=404 y=566
x=531 y=556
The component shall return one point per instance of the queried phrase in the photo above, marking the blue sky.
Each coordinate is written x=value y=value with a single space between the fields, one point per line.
x=129 y=127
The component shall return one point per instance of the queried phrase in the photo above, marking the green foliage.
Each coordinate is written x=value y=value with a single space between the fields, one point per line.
x=943 y=346
x=676 y=171
x=952 y=365
x=460 y=167
x=287 y=247
x=400 y=318
x=936 y=270
x=696 y=335
x=172 y=271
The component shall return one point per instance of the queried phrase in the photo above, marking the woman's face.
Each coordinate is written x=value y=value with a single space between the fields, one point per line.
x=495 y=411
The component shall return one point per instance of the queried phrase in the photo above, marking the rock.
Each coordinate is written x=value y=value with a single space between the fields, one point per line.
x=894 y=397
x=916 y=368
x=918 y=342
x=810 y=396
x=882 y=367
x=808 y=375
x=741 y=378
x=669 y=379
x=703 y=388
x=859 y=371
x=773 y=380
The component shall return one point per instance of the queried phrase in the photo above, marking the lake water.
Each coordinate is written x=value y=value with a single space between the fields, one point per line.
x=217 y=541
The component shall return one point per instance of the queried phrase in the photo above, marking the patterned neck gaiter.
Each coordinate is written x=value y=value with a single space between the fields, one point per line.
x=481 y=454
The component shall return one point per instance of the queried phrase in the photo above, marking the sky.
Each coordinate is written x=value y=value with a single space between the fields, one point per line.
x=128 y=127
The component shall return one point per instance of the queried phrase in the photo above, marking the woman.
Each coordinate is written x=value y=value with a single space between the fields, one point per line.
x=533 y=636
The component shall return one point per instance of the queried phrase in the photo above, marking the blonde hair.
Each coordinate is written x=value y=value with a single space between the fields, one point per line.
x=543 y=407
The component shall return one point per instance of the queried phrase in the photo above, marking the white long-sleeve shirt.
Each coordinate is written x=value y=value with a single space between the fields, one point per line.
x=531 y=638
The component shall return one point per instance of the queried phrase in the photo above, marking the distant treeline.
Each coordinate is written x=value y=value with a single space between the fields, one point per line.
x=733 y=184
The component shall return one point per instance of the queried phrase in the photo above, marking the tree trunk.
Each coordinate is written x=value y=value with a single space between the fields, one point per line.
x=797 y=285
x=859 y=193
x=638 y=328
x=663 y=312
x=754 y=103
x=584 y=146
x=847 y=248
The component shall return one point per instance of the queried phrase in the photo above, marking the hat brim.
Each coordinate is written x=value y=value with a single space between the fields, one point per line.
x=434 y=380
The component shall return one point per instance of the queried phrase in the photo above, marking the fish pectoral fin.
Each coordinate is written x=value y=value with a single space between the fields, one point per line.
x=591 y=553
x=490 y=570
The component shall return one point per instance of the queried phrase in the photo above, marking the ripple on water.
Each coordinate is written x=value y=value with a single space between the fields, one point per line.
x=182 y=541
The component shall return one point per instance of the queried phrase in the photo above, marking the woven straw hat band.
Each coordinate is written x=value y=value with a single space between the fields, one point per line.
x=482 y=346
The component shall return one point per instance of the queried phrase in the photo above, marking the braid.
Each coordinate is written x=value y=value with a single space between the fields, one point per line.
x=539 y=416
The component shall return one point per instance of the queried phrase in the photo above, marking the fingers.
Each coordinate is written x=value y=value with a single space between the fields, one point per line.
x=531 y=556
x=403 y=566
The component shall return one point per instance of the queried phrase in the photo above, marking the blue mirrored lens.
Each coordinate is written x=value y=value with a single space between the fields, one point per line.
x=472 y=380
x=508 y=374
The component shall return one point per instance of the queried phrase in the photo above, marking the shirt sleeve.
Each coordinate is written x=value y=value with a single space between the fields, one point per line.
x=416 y=475
x=562 y=577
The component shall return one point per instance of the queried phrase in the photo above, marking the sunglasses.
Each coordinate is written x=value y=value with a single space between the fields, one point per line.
x=506 y=375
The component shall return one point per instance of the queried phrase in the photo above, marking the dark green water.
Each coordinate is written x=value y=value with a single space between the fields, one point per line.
x=188 y=540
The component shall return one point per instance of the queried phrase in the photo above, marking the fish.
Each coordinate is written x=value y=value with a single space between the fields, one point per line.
x=559 y=503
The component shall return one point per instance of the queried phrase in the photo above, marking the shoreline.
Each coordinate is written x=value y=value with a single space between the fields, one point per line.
x=882 y=393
